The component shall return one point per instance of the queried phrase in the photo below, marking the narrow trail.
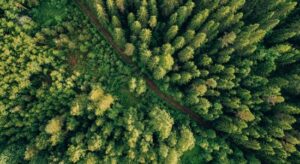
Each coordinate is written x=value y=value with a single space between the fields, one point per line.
x=150 y=83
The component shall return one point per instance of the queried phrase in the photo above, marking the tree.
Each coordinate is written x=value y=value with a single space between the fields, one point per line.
x=198 y=40
x=169 y=6
x=171 y=33
x=111 y=7
x=101 y=13
x=245 y=114
x=54 y=125
x=146 y=35
x=116 y=22
x=129 y=49
x=159 y=73
x=153 y=21
x=119 y=36
x=227 y=39
x=189 y=35
x=186 y=54
x=198 y=20
x=136 y=27
x=162 y=122
x=172 y=157
x=187 y=142
x=121 y=5
x=166 y=61
x=179 y=42
x=143 y=15
x=131 y=18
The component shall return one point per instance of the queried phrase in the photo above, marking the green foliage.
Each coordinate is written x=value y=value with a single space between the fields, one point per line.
x=12 y=153
x=49 y=12
x=65 y=97
x=235 y=63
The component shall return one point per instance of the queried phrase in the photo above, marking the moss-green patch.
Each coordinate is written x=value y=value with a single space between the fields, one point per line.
x=192 y=156
x=116 y=84
x=12 y=153
x=50 y=12
x=127 y=98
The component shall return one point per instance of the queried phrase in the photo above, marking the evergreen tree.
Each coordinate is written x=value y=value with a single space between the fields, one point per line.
x=171 y=33
x=186 y=54
x=198 y=20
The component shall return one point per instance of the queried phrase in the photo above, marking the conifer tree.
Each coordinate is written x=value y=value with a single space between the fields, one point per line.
x=198 y=20
x=171 y=33
x=186 y=54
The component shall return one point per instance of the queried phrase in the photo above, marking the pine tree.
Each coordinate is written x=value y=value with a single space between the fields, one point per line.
x=111 y=7
x=153 y=21
x=179 y=42
x=186 y=54
x=171 y=33
x=116 y=22
x=136 y=27
x=181 y=14
x=198 y=40
x=166 y=61
x=129 y=49
x=168 y=6
x=197 y=20
x=227 y=39
x=101 y=13
x=143 y=15
x=189 y=35
x=119 y=36
x=131 y=18
x=159 y=73
x=145 y=35
x=121 y=5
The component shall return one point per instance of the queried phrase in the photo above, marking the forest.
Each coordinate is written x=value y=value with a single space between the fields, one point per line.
x=149 y=81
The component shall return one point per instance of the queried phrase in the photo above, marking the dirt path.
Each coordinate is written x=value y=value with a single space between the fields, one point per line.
x=151 y=84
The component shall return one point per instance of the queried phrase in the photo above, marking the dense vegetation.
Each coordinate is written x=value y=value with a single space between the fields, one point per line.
x=66 y=97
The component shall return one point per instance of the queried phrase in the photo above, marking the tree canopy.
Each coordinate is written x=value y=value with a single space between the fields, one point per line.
x=66 y=95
